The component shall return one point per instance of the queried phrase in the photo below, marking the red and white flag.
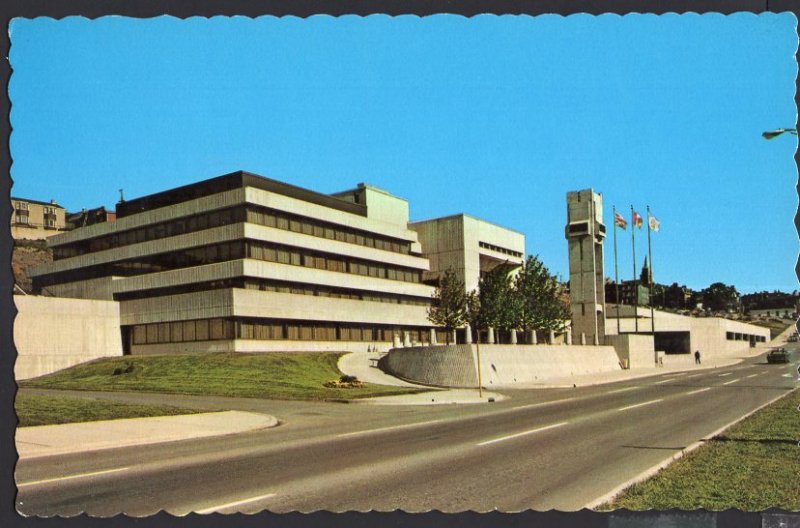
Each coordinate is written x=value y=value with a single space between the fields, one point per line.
x=619 y=221
x=637 y=220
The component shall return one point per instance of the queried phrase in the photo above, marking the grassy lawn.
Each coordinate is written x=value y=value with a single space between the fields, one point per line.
x=776 y=326
x=752 y=466
x=47 y=410
x=276 y=375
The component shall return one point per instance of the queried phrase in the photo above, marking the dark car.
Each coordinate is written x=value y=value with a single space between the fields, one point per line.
x=778 y=355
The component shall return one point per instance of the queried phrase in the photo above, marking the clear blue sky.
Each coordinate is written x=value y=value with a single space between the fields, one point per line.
x=493 y=116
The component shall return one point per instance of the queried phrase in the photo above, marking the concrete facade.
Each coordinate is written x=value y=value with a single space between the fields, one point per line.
x=502 y=366
x=712 y=336
x=51 y=334
x=585 y=233
x=245 y=263
x=468 y=245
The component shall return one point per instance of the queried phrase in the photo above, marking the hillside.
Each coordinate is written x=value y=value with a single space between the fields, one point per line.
x=28 y=253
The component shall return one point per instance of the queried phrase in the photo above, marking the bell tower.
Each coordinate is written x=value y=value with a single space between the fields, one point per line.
x=585 y=233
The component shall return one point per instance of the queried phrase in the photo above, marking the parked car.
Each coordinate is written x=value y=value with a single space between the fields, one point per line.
x=793 y=338
x=778 y=355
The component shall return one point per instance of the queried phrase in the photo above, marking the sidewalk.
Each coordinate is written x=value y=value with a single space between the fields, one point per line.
x=46 y=440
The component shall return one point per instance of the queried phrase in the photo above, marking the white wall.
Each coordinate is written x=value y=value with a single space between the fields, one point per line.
x=52 y=333
x=501 y=365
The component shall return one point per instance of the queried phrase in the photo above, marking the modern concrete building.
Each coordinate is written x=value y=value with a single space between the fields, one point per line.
x=585 y=233
x=35 y=220
x=246 y=263
x=471 y=247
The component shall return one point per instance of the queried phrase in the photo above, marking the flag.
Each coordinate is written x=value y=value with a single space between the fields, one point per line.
x=619 y=221
x=637 y=220
x=653 y=223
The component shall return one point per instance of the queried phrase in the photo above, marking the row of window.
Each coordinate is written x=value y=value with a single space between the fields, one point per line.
x=262 y=329
x=500 y=249
x=736 y=336
x=295 y=257
x=233 y=250
x=334 y=293
x=208 y=220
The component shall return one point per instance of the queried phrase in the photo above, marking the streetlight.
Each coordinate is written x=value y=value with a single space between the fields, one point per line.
x=775 y=133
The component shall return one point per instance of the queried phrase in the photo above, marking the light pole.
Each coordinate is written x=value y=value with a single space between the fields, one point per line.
x=771 y=134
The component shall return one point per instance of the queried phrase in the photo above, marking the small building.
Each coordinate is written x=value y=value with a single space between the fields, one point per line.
x=35 y=220
x=87 y=217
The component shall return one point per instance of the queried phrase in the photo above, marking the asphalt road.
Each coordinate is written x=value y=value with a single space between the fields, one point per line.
x=539 y=449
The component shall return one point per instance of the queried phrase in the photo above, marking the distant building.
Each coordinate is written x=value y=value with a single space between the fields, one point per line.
x=87 y=217
x=35 y=220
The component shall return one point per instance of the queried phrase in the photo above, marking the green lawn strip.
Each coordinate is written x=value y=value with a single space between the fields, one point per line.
x=47 y=410
x=752 y=466
x=776 y=326
x=274 y=375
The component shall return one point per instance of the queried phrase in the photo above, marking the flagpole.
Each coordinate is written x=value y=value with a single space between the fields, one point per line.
x=650 y=278
x=616 y=269
x=635 y=286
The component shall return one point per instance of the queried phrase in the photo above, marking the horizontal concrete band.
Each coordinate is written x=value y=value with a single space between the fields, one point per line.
x=230 y=302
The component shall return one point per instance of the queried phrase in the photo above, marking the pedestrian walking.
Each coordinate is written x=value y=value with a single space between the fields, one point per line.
x=697 y=357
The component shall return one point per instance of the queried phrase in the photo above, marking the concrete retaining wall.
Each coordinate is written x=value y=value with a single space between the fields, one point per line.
x=636 y=351
x=444 y=365
x=501 y=365
x=252 y=345
x=52 y=333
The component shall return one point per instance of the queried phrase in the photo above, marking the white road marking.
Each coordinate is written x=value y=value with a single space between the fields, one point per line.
x=621 y=390
x=664 y=381
x=390 y=428
x=640 y=404
x=676 y=374
x=540 y=404
x=731 y=381
x=71 y=477
x=698 y=390
x=752 y=376
x=509 y=437
x=694 y=375
x=232 y=504
x=726 y=374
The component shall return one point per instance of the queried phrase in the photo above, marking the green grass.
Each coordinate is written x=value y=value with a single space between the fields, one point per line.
x=776 y=326
x=274 y=375
x=48 y=410
x=752 y=466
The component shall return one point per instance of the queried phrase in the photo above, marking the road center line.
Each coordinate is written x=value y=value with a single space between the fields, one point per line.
x=541 y=404
x=752 y=376
x=509 y=437
x=698 y=390
x=72 y=477
x=390 y=428
x=694 y=375
x=726 y=374
x=232 y=504
x=621 y=390
x=676 y=374
x=664 y=381
x=640 y=404
x=731 y=381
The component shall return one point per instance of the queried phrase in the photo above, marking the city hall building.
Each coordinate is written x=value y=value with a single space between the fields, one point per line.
x=245 y=263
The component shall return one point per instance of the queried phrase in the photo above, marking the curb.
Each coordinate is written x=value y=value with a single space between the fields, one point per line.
x=267 y=422
x=688 y=449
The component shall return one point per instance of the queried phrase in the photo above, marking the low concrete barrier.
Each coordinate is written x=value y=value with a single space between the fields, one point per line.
x=501 y=365
x=52 y=333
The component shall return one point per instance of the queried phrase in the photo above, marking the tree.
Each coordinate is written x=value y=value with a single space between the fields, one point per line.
x=449 y=303
x=719 y=297
x=496 y=300
x=540 y=305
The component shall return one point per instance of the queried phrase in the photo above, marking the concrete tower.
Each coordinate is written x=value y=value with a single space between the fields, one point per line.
x=585 y=233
